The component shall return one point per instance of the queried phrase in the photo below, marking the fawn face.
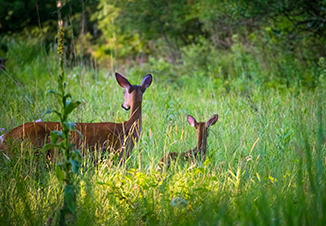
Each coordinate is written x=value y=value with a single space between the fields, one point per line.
x=133 y=94
x=202 y=127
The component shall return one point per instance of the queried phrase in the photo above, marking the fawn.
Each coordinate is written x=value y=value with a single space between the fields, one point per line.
x=200 y=149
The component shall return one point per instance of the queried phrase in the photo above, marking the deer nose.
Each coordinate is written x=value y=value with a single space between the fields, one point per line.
x=125 y=108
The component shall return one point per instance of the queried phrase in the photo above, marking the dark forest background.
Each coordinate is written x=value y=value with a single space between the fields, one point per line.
x=274 y=43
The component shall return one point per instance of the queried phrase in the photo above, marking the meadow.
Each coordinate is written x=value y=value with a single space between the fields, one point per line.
x=266 y=154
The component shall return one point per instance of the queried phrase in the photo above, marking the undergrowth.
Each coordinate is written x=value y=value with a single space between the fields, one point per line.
x=265 y=162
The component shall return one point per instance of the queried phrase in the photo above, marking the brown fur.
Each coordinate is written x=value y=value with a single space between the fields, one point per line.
x=116 y=137
x=200 y=149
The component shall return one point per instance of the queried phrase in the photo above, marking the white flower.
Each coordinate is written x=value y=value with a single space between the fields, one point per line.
x=39 y=120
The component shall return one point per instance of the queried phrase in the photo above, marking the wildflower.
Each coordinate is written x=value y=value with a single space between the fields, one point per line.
x=39 y=120
x=2 y=129
x=226 y=82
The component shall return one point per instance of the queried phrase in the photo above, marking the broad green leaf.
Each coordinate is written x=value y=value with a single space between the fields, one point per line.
x=71 y=106
x=51 y=145
x=69 y=196
x=76 y=155
x=58 y=173
x=58 y=133
x=75 y=165
x=55 y=135
x=70 y=125
x=56 y=112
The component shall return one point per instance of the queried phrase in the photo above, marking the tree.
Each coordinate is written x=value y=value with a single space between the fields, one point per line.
x=38 y=19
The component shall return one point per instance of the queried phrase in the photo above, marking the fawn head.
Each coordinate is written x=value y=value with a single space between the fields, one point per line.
x=133 y=93
x=202 y=127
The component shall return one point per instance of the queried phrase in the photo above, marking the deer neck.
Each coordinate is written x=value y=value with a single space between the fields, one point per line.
x=202 y=142
x=135 y=118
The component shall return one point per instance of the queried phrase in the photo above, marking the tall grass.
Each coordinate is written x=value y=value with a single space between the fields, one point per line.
x=265 y=162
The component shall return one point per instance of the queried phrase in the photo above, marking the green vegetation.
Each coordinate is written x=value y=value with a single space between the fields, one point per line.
x=72 y=156
x=277 y=42
x=257 y=64
x=265 y=163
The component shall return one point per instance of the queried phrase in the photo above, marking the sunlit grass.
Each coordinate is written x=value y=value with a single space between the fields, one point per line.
x=261 y=166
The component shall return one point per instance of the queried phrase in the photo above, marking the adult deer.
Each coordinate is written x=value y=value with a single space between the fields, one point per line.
x=200 y=149
x=115 y=137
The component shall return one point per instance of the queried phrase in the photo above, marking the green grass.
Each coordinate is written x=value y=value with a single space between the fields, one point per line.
x=265 y=163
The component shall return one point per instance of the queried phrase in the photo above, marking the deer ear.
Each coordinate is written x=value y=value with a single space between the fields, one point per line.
x=147 y=81
x=192 y=121
x=123 y=82
x=212 y=120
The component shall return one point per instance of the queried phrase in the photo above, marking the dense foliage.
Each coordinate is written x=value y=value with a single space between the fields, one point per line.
x=258 y=64
x=278 y=34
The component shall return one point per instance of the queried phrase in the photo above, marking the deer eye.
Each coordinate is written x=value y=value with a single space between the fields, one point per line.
x=142 y=90
x=131 y=89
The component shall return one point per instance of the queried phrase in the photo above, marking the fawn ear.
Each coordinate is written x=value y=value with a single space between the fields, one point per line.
x=212 y=120
x=123 y=82
x=147 y=81
x=192 y=121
